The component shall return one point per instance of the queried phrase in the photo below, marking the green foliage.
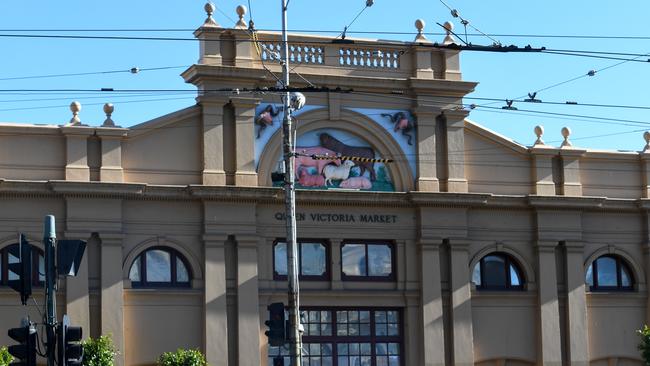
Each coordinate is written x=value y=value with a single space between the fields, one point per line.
x=99 y=351
x=644 y=344
x=182 y=357
x=5 y=357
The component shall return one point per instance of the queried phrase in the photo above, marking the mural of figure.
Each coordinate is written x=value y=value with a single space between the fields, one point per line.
x=332 y=172
x=401 y=122
x=329 y=142
x=265 y=118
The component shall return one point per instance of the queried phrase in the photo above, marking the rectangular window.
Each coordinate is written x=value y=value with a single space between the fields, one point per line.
x=348 y=337
x=367 y=261
x=313 y=260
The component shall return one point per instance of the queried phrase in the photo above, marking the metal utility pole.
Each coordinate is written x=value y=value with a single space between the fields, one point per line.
x=49 y=239
x=295 y=342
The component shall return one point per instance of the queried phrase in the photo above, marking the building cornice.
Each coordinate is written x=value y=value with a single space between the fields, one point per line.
x=270 y=195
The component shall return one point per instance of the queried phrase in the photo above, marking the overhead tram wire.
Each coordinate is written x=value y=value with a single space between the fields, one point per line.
x=375 y=94
x=343 y=34
x=333 y=31
x=466 y=23
x=133 y=70
x=578 y=53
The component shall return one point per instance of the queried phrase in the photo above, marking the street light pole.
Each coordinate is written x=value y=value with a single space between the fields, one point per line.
x=295 y=343
x=49 y=240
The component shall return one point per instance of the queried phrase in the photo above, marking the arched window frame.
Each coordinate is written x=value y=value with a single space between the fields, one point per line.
x=173 y=283
x=37 y=253
x=621 y=264
x=508 y=262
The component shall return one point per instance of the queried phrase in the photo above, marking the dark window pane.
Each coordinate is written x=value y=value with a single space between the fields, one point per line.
x=158 y=266
x=280 y=259
x=589 y=277
x=313 y=259
x=354 y=260
x=514 y=276
x=380 y=316
x=393 y=330
x=606 y=271
x=494 y=268
x=182 y=275
x=379 y=260
x=626 y=279
x=134 y=272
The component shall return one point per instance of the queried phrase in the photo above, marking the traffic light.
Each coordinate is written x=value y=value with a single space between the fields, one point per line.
x=276 y=324
x=25 y=352
x=22 y=269
x=68 y=256
x=70 y=351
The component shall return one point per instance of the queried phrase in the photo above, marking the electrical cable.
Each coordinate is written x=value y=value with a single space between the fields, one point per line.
x=466 y=23
x=345 y=29
x=333 y=31
x=577 y=53
x=133 y=70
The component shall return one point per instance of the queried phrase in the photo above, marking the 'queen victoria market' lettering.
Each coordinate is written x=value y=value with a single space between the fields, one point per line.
x=339 y=217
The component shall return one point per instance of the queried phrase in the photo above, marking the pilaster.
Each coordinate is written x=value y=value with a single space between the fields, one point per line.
x=432 y=338
x=427 y=180
x=571 y=170
x=209 y=45
x=245 y=174
x=76 y=167
x=112 y=296
x=549 y=311
x=576 y=304
x=212 y=121
x=543 y=169
x=248 y=308
x=423 y=64
x=335 y=265
x=243 y=48
x=111 y=168
x=645 y=173
x=461 y=304
x=215 y=306
x=456 y=182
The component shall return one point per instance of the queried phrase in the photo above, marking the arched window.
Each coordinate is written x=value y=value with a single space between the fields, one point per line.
x=6 y=258
x=498 y=271
x=609 y=273
x=160 y=267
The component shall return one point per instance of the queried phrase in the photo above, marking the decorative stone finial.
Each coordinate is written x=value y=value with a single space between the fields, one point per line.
x=646 y=137
x=108 y=109
x=419 y=25
x=539 y=131
x=566 y=132
x=75 y=107
x=241 y=11
x=449 y=38
x=209 y=21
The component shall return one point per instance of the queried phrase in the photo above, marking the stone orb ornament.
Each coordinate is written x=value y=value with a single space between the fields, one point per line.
x=209 y=8
x=241 y=11
x=539 y=132
x=566 y=132
x=75 y=108
x=108 y=109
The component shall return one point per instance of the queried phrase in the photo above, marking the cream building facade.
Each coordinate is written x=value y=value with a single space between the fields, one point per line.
x=466 y=248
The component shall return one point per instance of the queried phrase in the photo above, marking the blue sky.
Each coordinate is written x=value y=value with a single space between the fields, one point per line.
x=500 y=75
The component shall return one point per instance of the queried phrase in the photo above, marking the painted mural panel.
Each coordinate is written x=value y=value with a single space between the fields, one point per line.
x=335 y=159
